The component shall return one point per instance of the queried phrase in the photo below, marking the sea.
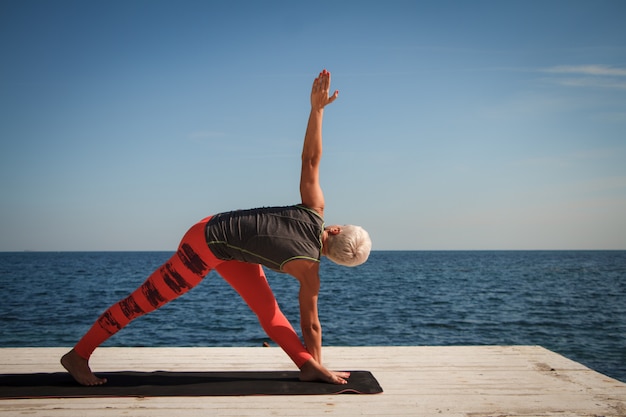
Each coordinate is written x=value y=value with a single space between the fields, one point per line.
x=571 y=302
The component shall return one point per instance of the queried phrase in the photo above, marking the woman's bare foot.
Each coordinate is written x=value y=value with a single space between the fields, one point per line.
x=78 y=367
x=313 y=371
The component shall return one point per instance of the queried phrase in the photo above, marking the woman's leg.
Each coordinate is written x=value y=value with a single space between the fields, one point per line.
x=179 y=274
x=167 y=283
x=250 y=282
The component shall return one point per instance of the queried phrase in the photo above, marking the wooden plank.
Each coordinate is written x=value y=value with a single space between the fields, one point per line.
x=418 y=381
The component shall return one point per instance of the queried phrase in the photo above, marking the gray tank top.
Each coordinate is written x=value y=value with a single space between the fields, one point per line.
x=270 y=236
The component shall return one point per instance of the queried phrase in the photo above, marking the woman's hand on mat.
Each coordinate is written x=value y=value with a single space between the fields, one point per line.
x=314 y=371
x=320 y=91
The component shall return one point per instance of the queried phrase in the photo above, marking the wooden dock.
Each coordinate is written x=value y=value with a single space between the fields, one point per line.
x=418 y=381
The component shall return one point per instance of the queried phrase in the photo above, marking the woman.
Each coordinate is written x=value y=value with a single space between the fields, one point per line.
x=288 y=239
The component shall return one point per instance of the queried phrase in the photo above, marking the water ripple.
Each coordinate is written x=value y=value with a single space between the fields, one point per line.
x=570 y=302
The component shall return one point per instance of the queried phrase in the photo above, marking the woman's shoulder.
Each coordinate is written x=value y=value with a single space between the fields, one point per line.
x=310 y=210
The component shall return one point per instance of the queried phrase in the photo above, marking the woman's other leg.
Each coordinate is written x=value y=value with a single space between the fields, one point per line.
x=170 y=281
x=250 y=282
x=179 y=274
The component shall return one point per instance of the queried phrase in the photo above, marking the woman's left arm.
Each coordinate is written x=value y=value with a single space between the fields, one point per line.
x=307 y=273
x=309 y=318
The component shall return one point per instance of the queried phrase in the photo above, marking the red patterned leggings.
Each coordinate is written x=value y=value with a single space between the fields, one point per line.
x=183 y=271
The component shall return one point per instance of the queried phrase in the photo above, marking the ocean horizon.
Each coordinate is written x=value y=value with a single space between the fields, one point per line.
x=569 y=301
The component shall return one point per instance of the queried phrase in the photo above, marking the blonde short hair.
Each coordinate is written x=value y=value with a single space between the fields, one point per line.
x=350 y=247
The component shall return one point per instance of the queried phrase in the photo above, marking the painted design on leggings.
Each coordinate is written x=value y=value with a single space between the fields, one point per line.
x=108 y=323
x=191 y=260
x=174 y=280
x=130 y=308
x=152 y=294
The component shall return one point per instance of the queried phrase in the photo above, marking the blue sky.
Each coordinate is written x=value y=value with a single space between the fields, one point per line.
x=459 y=124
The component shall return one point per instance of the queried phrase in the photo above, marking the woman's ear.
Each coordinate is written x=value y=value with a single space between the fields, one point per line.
x=334 y=230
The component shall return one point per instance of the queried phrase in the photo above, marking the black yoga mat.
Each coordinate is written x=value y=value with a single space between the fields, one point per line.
x=164 y=384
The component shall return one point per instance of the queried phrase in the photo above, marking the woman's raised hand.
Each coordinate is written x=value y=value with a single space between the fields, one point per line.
x=320 y=92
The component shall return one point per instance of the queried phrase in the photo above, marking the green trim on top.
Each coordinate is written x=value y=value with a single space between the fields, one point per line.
x=269 y=261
